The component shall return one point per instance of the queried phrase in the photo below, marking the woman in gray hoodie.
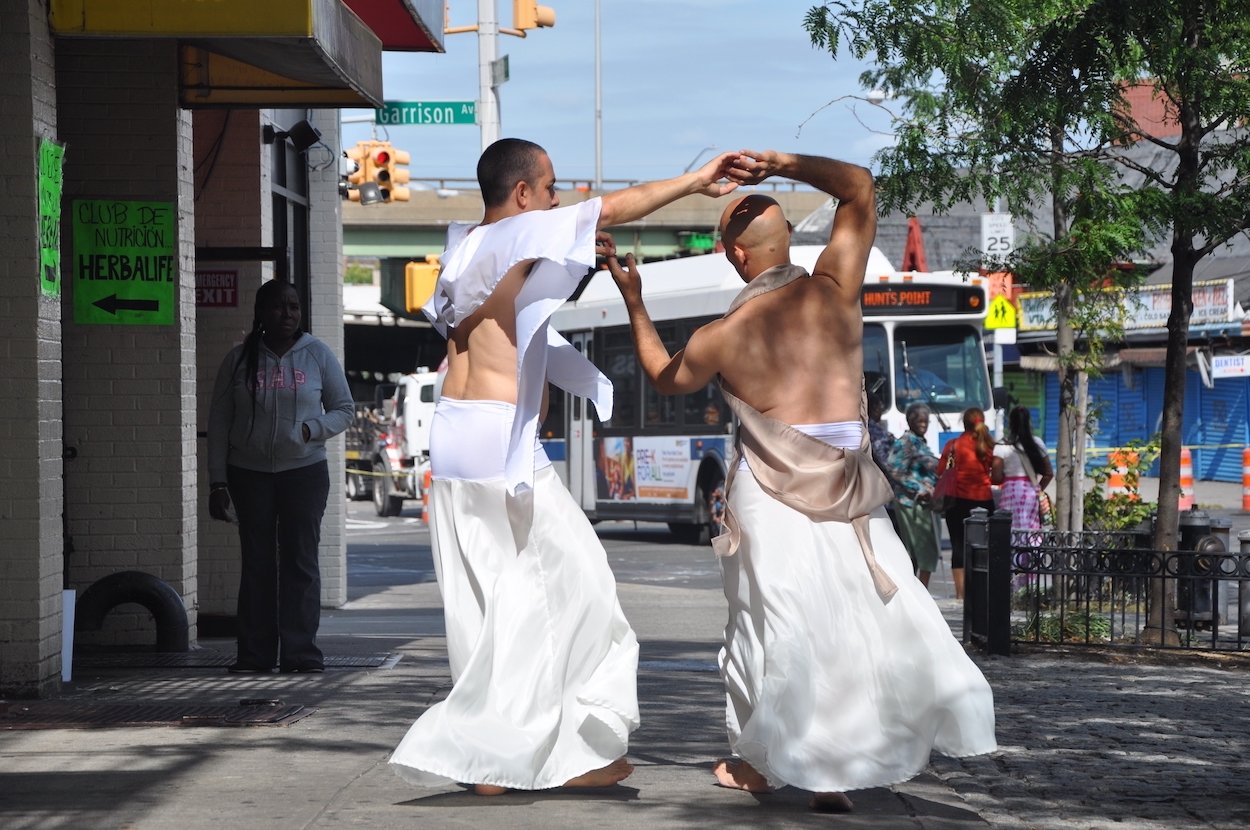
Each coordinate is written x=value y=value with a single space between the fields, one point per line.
x=278 y=397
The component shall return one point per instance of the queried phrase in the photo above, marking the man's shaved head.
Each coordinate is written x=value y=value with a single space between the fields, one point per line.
x=756 y=226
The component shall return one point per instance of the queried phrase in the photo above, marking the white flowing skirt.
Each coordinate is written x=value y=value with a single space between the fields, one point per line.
x=828 y=688
x=543 y=661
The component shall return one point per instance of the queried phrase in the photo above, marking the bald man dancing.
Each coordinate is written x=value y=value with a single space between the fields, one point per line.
x=839 y=670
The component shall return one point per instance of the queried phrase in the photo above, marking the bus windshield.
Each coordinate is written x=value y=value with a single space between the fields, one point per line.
x=943 y=367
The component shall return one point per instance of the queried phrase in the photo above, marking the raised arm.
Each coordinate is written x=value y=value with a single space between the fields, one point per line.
x=623 y=206
x=688 y=370
x=855 y=220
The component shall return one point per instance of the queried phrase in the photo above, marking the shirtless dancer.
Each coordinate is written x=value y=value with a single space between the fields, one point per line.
x=543 y=661
x=840 y=671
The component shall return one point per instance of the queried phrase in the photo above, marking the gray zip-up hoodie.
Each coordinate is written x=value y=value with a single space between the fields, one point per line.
x=304 y=386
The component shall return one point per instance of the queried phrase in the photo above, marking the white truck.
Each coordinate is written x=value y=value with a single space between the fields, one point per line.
x=388 y=445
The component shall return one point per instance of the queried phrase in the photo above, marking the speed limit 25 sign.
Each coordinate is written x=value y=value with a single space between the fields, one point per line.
x=998 y=235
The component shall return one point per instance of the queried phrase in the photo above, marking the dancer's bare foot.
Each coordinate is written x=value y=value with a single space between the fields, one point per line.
x=831 y=803
x=739 y=775
x=489 y=789
x=613 y=773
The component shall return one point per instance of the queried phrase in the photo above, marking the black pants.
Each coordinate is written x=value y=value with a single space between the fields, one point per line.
x=280 y=587
x=955 y=515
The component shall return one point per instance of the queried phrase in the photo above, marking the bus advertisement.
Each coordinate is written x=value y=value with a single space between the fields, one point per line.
x=662 y=458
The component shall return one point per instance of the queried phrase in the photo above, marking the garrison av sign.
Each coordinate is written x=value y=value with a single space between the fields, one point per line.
x=124 y=266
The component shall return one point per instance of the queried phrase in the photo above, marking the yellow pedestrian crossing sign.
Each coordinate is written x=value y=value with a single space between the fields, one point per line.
x=1001 y=314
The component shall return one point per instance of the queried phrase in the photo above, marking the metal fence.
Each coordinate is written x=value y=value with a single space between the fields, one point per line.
x=1098 y=588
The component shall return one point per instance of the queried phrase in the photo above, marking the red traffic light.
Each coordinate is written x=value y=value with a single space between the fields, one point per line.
x=383 y=157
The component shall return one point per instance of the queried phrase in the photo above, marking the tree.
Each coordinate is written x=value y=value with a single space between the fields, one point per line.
x=1002 y=94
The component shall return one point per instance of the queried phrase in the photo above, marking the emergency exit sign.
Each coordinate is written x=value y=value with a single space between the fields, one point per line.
x=404 y=113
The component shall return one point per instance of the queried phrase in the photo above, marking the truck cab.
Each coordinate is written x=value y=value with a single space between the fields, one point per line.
x=389 y=443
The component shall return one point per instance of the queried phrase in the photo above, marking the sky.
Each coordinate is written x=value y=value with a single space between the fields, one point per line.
x=677 y=77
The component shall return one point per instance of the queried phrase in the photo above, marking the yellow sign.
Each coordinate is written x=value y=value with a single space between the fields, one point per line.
x=1001 y=314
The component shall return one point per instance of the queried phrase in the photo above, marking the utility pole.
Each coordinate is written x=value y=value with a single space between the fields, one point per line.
x=598 y=108
x=491 y=70
x=487 y=50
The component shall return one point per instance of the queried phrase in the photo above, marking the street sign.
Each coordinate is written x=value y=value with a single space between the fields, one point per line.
x=1001 y=314
x=1230 y=366
x=499 y=71
x=421 y=113
x=998 y=235
x=124 y=266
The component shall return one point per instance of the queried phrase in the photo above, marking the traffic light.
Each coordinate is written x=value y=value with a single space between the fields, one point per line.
x=389 y=171
x=527 y=14
x=419 y=281
x=358 y=185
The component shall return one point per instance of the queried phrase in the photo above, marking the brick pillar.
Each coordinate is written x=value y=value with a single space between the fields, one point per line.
x=326 y=223
x=129 y=389
x=30 y=369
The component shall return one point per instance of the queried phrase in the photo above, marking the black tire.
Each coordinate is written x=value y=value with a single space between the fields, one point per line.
x=686 y=533
x=385 y=500
x=358 y=486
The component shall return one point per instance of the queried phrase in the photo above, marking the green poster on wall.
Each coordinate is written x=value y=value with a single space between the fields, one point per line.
x=124 y=266
x=51 y=158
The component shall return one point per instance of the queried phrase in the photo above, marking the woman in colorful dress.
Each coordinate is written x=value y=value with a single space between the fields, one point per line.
x=913 y=470
x=1022 y=470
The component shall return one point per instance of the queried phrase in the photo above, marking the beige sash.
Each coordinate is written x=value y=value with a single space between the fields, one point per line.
x=822 y=482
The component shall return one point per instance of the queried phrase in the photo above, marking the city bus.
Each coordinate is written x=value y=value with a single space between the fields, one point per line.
x=661 y=458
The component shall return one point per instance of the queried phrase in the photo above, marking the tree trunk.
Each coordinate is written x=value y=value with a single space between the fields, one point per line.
x=1081 y=417
x=1067 y=482
x=1067 y=474
x=1161 y=623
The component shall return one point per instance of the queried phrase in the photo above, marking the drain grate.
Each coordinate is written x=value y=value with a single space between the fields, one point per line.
x=208 y=659
x=64 y=714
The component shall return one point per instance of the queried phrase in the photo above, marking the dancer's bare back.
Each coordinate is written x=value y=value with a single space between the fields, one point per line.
x=795 y=354
x=481 y=351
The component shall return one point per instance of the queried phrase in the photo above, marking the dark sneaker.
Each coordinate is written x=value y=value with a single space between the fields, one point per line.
x=303 y=668
x=241 y=667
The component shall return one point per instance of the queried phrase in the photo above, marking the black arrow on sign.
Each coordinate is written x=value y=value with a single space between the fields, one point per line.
x=112 y=304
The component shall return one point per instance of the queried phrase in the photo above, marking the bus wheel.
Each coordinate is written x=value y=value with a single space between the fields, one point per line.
x=687 y=533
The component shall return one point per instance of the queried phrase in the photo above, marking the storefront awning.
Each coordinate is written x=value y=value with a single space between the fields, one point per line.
x=403 y=25
x=259 y=53
x=1050 y=363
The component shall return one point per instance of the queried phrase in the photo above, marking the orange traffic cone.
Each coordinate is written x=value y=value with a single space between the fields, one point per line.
x=425 y=496
x=1187 y=480
x=1245 y=479
x=1117 y=482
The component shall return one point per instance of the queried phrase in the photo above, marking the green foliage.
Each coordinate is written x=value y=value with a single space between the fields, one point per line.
x=1022 y=100
x=1077 y=626
x=357 y=274
x=1014 y=99
x=1121 y=511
